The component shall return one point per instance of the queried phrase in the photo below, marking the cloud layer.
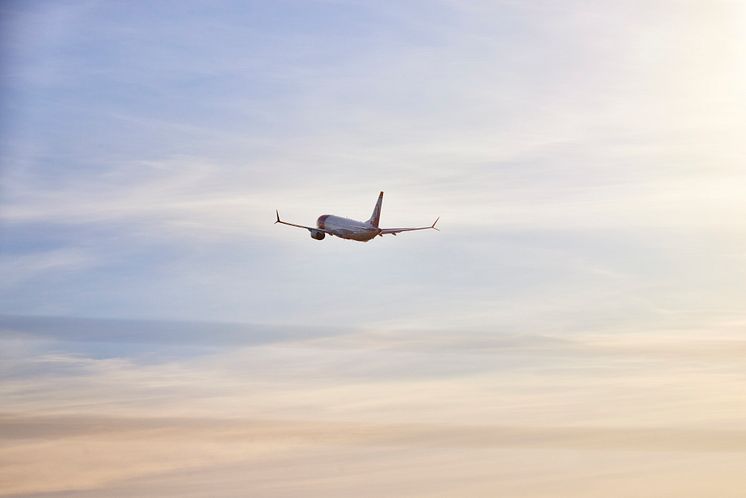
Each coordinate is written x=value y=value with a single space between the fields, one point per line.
x=330 y=413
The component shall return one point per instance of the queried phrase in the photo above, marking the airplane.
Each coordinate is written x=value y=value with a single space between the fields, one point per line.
x=345 y=228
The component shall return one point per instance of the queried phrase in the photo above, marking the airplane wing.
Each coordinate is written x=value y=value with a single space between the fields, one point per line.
x=310 y=229
x=394 y=231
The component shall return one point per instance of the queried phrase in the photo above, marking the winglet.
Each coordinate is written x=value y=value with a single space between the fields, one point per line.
x=434 y=222
x=278 y=216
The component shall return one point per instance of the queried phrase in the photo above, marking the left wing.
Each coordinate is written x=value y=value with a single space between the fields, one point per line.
x=310 y=229
x=394 y=231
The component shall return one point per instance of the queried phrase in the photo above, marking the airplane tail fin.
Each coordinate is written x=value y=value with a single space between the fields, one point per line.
x=376 y=216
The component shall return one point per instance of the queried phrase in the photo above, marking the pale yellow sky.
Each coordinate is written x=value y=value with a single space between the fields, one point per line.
x=381 y=414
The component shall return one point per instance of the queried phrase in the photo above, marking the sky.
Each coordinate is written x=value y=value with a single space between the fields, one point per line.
x=577 y=327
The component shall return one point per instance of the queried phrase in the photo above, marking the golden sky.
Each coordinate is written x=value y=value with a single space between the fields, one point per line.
x=381 y=414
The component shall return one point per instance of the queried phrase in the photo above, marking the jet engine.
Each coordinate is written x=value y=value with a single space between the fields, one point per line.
x=317 y=234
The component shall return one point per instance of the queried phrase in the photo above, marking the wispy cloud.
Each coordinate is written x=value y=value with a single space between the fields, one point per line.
x=17 y=268
x=70 y=452
x=76 y=423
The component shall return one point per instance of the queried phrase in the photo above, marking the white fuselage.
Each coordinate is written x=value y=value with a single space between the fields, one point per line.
x=346 y=228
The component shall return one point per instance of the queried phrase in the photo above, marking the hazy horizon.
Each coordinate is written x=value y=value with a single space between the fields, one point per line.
x=577 y=328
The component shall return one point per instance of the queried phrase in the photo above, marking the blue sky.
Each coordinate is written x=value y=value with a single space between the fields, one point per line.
x=146 y=148
x=586 y=160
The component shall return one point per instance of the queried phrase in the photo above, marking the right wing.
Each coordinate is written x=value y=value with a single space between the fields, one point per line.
x=310 y=229
x=394 y=231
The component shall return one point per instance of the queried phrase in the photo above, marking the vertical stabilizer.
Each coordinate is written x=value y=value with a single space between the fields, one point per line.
x=376 y=216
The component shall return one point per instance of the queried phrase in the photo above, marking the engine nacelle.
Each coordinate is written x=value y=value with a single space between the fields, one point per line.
x=317 y=234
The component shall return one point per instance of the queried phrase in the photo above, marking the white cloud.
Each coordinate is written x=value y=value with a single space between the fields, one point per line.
x=17 y=268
